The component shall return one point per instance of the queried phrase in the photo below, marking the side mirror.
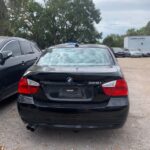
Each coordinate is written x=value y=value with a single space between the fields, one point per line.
x=4 y=56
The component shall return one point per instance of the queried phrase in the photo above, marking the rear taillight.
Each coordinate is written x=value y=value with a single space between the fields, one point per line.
x=27 y=86
x=116 y=88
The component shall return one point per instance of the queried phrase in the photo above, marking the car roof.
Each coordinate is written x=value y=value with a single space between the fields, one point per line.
x=7 y=38
x=72 y=45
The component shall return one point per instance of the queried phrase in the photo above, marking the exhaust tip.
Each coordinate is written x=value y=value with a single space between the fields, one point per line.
x=31 y=128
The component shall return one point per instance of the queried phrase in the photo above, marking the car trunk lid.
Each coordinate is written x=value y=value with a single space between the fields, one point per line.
x=73 y=83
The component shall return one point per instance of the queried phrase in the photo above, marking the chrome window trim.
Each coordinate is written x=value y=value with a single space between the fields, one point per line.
x=7 y=44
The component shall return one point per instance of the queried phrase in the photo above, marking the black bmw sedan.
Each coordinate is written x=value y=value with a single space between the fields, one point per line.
x=16 y=56
x=74 y=86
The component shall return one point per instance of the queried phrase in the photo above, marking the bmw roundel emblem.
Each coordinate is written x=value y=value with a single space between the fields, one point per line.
x=69 y=80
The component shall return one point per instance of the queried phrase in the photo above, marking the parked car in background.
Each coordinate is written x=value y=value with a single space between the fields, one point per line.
x=121 y=52
x=127 y=53
x=136 y=53
x=146 y=53
x=78 y=86
x=16 y=56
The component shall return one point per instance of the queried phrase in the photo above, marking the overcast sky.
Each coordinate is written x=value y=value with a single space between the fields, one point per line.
x=119 y=15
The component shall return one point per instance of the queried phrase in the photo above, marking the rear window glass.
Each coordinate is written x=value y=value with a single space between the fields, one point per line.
x=35 y=48
x=26 y=47
x=76 y=57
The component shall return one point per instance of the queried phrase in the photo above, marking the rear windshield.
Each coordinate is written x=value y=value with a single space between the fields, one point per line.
x=76 y=57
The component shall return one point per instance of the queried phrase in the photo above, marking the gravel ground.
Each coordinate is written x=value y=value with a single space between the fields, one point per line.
x=135 y=135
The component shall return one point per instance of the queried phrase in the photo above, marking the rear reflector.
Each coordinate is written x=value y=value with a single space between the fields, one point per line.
x=27 y=86
x=116 y=88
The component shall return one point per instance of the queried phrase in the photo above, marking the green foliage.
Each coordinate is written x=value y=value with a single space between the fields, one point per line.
x=4 y=24
x=143 y=31
x=131 y=32
x=18 y=17
x=55 y=22
x=72 y=20
x=114 y=40
x=147 y=28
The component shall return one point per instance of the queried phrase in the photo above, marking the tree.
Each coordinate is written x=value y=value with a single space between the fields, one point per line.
x=18 y=16
x=131 y=32
x=147 y=28
x=142 y=31
x=57 y=22
x=4 y=24
x=26 y=20
x=114 y=40
x=36 y=23
x=72 y=20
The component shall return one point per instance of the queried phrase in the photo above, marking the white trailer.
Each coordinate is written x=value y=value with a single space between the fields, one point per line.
x=141 y=43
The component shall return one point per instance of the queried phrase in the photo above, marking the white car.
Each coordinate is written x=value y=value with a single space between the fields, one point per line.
x=135 y=53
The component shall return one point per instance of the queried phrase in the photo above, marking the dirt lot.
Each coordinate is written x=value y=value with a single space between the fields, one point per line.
x=135 y=135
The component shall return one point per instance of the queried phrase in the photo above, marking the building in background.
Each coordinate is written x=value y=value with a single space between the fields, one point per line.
x=141 y=43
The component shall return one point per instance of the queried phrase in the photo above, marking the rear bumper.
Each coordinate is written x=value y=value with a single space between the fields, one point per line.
x=110 y=115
